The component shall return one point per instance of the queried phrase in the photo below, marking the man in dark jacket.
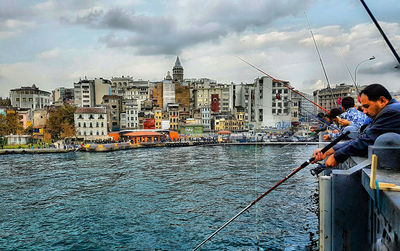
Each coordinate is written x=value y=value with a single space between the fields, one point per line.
x=384 y=112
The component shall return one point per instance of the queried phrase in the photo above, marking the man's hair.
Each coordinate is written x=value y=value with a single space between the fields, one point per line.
x=334 y=113
x=347 y=102
x=375 y=91
x=321 y=115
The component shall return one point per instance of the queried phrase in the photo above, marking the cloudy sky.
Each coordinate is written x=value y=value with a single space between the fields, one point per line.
x=55 y=43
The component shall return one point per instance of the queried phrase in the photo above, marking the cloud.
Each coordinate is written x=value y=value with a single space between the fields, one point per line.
x=171 y=33
x=49 y=54
x=382 y=68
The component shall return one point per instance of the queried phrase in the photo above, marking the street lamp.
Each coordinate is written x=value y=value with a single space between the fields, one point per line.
x=355 y=71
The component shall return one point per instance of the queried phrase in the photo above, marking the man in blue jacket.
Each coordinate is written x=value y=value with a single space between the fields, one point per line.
x=384 y=112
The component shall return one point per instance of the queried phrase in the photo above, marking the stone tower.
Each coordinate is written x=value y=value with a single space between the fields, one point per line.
x=177 y=71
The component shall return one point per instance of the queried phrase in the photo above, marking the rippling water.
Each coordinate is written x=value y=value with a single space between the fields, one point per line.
x=161 y=198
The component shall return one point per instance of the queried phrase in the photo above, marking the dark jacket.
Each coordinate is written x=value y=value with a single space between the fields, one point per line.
x=387 y=120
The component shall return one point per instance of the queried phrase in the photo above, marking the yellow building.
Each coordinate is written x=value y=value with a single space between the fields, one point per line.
x=219 y=124
x=158 y=117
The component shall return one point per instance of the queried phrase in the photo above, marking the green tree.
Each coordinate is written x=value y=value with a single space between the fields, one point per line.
x=60 y=120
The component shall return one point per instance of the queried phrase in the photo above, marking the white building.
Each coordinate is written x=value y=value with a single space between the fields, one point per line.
x=89 y=93
x=206 y=118
x=119 y=85
x=91 y=123
x=168 y=91
x=267 y=103
x=130 y=118
x=29 y=97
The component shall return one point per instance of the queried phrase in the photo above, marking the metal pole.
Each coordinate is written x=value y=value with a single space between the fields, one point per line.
x=355 y=71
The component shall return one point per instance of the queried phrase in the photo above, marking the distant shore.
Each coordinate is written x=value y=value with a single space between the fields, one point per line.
x=126 y=146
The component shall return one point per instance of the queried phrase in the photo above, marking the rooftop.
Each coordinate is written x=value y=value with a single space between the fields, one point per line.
x=96 y=110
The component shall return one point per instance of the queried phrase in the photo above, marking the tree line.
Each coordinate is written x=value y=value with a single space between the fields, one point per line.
x=60 y=123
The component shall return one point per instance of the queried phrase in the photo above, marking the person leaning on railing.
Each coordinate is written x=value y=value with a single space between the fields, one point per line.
x=384 y=112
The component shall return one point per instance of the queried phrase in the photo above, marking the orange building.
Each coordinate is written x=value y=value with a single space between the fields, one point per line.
x=139 y=137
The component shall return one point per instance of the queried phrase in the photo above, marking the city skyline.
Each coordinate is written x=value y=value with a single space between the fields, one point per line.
x=53 y=44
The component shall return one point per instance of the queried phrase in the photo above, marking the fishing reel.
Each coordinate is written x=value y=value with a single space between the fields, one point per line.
x=317 y=170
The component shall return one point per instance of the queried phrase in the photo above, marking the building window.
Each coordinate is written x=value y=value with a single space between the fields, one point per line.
x=91 y=116
x=90 y=125
x=84 y=124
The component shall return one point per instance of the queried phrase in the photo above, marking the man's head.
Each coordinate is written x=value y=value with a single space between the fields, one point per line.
x=334 y=113
x=347 y=102
x=374 y=98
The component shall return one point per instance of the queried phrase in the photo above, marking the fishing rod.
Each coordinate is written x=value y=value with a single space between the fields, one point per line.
x=381 y=31
x=305 y=164
x=331 y=126
x=285 y=85
x=319 y=54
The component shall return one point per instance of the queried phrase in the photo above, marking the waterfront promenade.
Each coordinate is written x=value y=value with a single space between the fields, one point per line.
x=126 y=146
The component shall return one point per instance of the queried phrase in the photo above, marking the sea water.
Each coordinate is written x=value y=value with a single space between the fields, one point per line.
x=158 y=199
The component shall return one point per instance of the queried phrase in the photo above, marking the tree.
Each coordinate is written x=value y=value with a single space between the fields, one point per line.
x=5 y=102
x=61 y=122
x=9 y=124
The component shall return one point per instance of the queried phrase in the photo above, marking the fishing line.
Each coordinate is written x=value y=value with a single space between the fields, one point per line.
x=285 y=85
x=302 y=166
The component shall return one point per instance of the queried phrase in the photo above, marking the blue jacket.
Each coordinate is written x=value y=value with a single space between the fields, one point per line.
x=387 y=120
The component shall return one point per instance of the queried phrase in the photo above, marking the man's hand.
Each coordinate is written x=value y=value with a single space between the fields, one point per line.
x=318 y=155
x=331 y=161
x=343 y=122
x=326 y=137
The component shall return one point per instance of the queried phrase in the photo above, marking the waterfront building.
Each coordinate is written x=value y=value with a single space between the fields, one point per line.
x=216 y=96
x=89 y=93
x=168 y=91
x=305 y=107
x=25 y=117
x=294 y=107
x=206 y=118
x=29 y=97
x=141 y=93
x=219 y=124
x=62 y=94
x=158 y=118
x=239 y=115
x=40 y=118
x=157 y=95
x=267 y=103
x=191 y=129
x=173 y=114
x=330 y=98
x=18 y=139
x=144 y=136
x=91 y=123
x=113 y=103
x=130 y=119
x=119 y=85
x=177 y=71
